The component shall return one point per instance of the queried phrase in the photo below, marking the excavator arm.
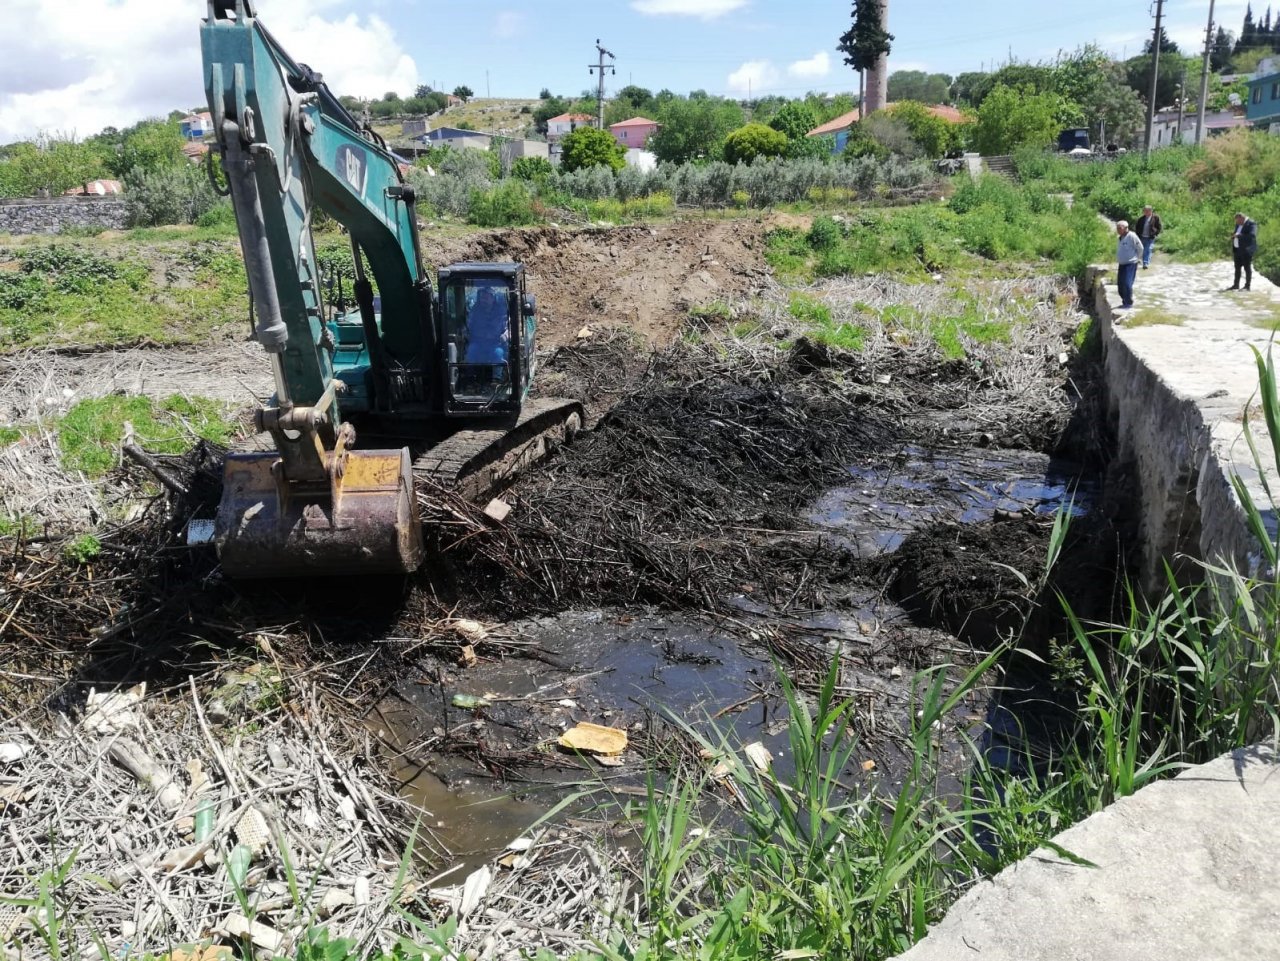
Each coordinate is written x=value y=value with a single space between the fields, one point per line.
x=315 y=505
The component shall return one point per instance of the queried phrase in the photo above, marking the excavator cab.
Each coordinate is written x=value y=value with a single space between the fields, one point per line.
x=489 y=323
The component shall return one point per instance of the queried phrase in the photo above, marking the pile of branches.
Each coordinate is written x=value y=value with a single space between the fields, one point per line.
x=139 y=823
x=685 y=494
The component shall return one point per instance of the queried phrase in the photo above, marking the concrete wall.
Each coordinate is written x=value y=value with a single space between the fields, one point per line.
x=55 y=215
x=1183 y=497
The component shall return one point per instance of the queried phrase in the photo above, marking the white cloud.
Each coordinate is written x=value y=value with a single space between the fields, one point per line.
x=704 y=9
x=90 y=67
x=753 y=77
x=509 y=24
x=816 y=67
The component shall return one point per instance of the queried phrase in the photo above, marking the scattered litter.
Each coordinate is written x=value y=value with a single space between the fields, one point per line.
x=497 y=509
x=758 y=755
x=267 y=938
x=568 y=702
x=473 y=890
x=11 y=752
x=520 y=844
x=609 y=760
x=113 y=711
x=467 y=656
x=470 y=702
x=594 y=739
x=251 y=831
x=473 y=631
x=868 y=765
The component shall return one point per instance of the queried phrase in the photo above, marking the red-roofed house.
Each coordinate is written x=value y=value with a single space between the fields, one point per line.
x=566 y=123
x=634 y=133
x=196 y=125
x=842 y=124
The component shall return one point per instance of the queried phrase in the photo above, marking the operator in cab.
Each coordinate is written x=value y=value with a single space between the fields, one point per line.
x=488 y=333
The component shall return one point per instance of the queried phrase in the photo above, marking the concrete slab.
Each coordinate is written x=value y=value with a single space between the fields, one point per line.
x=1185 y=869
x=1180 y=376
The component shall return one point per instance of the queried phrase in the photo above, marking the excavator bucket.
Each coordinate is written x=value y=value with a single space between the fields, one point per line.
x=367 y=524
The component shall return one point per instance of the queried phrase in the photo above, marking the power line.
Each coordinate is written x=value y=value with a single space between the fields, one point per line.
x=599 y=67
x=1155 y=75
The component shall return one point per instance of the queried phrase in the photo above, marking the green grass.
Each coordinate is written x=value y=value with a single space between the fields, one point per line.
x=165 y=287
x=90 y=432
x=987 y=222
x=1151 y=316
x=9 y=435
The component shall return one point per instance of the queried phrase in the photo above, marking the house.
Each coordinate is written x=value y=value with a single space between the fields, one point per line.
x=456 y=137
x=1263 y=106
x=645 y=160
x=196 y=125
x=95 y=188
x=841 y=126
x=451 y=101
x=414 y=128
x=566 y=124
x=634 y=133
x=512 y=150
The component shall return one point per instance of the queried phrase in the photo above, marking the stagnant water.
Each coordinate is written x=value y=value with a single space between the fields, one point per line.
x=624 y=669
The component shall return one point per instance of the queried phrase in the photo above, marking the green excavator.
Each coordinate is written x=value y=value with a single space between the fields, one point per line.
x=436 y=379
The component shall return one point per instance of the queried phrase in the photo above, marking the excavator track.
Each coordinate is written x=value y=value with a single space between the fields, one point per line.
x=480 y=463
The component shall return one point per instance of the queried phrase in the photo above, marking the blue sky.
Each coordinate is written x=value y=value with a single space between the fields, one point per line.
x=75 y=66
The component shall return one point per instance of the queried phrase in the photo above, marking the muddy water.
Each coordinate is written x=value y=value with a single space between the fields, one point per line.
x=886 y=501
x=486 y=774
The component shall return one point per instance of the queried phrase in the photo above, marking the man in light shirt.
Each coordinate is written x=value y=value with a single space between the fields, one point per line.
x=1128 y=256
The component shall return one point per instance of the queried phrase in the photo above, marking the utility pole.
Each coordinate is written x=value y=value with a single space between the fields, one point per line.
x=601 y=52
x=1155 y=75
x=487 y=94
x=1204 y=77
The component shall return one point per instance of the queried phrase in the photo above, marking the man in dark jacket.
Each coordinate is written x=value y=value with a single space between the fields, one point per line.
x=1244 y=244
x=1148 y=229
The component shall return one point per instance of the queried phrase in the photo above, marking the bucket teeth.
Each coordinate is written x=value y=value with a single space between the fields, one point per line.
x=367 y=523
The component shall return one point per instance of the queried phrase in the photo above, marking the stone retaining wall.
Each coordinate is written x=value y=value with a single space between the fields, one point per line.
x=56 y=215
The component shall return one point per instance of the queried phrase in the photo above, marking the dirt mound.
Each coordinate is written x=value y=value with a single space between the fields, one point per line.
x=641 y=276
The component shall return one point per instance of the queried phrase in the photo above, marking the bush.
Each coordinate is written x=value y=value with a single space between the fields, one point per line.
x=510 y=204
x=590 y=147
x=824 y=234
x=167 y=195
x=932 y=134
x=754 y=140
x=532 y=168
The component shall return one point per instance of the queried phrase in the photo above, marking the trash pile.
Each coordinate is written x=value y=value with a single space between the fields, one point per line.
x=245 y=818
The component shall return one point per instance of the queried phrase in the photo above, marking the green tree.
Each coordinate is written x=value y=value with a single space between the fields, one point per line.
x=934 y=135
x=591 y=147
x=1034 y=76
x=49 y=165
x=1220 y=54
x=463 y=92
x=965 y=86
x=694 y=128
x=794 y=120
x=148 y=145
x=1171 y=68
x=919 y=86
x=1013 y=117
x=544 y=94
x=1109 y=105
x=754 y=140
x=866 y=40
x=423 y=90
x=1166 y=45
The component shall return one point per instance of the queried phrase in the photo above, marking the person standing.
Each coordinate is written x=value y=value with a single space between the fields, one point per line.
x=1244 y=244
x=1148 y=229
x=1128 y=255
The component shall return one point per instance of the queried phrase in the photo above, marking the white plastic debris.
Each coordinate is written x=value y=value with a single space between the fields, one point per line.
x=12 y=752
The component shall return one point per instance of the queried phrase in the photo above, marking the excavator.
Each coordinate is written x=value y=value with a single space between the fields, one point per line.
x=436 y=379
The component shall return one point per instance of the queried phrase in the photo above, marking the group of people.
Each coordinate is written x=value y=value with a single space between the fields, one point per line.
x=1135 y=245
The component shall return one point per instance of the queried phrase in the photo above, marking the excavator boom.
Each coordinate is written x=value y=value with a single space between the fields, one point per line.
x=314 y=505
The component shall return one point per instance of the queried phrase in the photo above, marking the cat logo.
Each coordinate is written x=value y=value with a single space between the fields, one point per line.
x=353 y=167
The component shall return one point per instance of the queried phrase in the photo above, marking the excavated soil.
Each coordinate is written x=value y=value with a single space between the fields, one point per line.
x=644 y=277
